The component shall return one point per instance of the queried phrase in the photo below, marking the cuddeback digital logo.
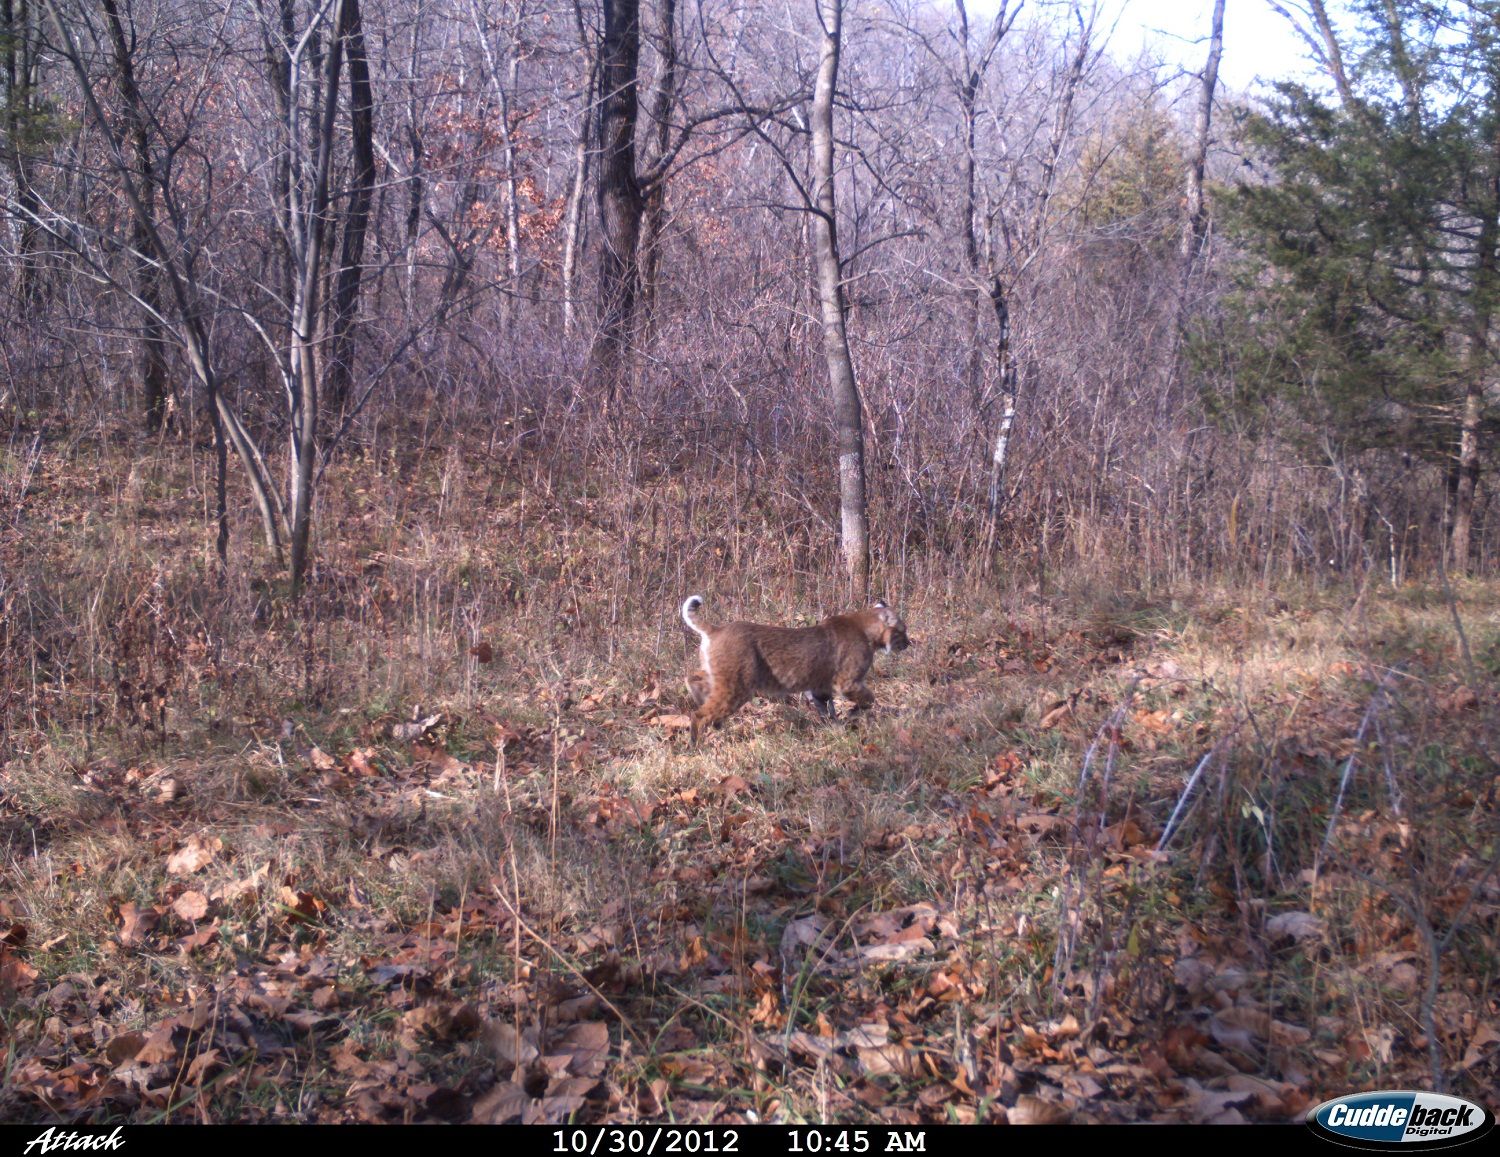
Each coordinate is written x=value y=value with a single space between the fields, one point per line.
x=1400 y=1120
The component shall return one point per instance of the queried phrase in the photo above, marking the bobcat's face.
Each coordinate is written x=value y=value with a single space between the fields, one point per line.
x=892 y=635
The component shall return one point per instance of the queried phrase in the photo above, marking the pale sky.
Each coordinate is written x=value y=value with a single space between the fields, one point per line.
x=1258 y=42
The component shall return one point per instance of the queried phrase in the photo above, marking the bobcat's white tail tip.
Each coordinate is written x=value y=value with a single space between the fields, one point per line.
x=690 y=608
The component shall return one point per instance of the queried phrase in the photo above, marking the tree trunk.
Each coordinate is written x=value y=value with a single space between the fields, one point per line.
x=1195 y=223
x=1467 y=481
x=18 y=42
x=847 y=411
x=1333 y=56
x=573 y=229
x=663 y=99
x=1486 y=292
x=416 y=185
x=346 y=284
x=309 y=206
x=970 y=82
x=618 y=195
x=1006 y=369
x=151 y=354
x=505 y=90
x=573 y=235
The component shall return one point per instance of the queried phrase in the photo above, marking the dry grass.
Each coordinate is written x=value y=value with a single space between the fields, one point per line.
x=369 y=894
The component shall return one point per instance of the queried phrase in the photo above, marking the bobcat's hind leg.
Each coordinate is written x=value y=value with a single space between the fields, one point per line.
x=719 y=706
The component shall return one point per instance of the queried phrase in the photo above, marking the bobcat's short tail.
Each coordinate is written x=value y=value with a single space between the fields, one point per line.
x=690 y=607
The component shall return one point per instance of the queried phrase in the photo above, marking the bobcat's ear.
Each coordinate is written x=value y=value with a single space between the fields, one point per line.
x=878 y=605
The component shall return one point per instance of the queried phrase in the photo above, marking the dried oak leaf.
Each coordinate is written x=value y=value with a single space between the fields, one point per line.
x=136 y=924
x=1033 y=1110
x=320 y=760
x=300 y=907
x=1484 y=1036
x=193 y=855
x=501 y=1105
x=191 y=906
x=16 y=975
x=587 y=1046
x=123 y=1048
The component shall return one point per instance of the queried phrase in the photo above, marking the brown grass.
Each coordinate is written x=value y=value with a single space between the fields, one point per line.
x=378 y=902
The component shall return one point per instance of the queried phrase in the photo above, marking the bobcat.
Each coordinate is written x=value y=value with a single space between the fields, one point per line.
x=745 y=659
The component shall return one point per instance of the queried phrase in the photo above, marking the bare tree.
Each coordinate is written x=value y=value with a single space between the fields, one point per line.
x=1195 y=217
x=573 y=217
x=18 y=47
x=618 y=194
x=152 y=350
x=349 y=274
x=848 y=413
x=973 y=66
x=663 y=101
x=189 y=315
x=1023 y=231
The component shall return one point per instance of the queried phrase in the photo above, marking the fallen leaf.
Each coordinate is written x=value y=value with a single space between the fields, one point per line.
x=1033 y=1110
x=191 y=906
x=135 y=924
x=509 y=1046
x=1296 y=926
x=123 y=1048
x=1054 y=716
x=501 y=1105
x=198 y=852
x=588 y=1044
x=1484 y=1036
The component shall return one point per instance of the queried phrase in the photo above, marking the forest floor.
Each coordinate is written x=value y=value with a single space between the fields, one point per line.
x=432 y=845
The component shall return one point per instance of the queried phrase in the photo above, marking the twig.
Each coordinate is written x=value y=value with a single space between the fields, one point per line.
x=1458 y=626
x=573 y=968
x=1429 y=997
x=1187 y=791
x=1338 y=803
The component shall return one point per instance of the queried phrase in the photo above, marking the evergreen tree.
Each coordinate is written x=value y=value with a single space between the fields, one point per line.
x=1368 y=291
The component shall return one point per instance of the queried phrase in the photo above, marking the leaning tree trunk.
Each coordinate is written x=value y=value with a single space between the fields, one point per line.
x=185 y=295
x=1195 y=225
x=618 y=193
x=847 y=411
